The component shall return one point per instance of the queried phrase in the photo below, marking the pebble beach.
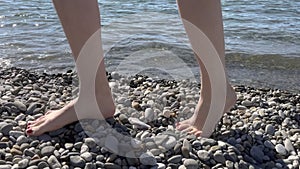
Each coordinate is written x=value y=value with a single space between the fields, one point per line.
x=262 y=130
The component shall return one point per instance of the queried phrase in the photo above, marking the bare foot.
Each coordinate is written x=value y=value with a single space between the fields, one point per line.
x=56 y=119
x=194 y=124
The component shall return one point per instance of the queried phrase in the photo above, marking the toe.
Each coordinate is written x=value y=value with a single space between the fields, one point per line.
x=182 y=127
x=198 y=133
x=38 y=122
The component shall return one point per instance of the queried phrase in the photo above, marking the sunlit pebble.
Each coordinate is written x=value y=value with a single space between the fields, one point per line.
x=2 y=16
x=2 y=25
x=14 y=25
x=36 y=24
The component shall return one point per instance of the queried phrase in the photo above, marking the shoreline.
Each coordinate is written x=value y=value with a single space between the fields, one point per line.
x=261 y=131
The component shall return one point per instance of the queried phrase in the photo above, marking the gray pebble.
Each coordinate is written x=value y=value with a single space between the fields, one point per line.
x=6 y=166
x=90 y=142
x=22 y=139
x=15 y=134
x=203 y=155
x=288 y=145
x=23 y=163
x=186 y=148
x=52 y=161
x=47 y=151
x=149 y=114
x=77 y=161
x=148 y=159
x=270 y=129
x=5 y=128
x=87 y=156
x=219 y=157
x=280 y=149
x=257 y=153
x=175 y=159
x=191 y=164
x=111 y=166
x=170 y=143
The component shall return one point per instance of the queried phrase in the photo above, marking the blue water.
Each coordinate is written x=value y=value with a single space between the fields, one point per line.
x=31 y=35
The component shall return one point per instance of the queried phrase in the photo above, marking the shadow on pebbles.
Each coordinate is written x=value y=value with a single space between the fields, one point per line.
x=261 y=130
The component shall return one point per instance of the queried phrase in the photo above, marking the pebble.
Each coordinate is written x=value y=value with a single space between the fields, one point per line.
x=270 y=129
x=87 y=156
x=149 y=114
x=138 y=123
x=280 y=149
x=186 y=148
x=148 y=159
x=203 y=155
x=47 y=151
x=191 y=164
x=175 y=159
x=90 y=142
x=23 y=163
x=52 y=161
x=219 y=157
x=288 y=145
x=77 y=161
x=5 y=128
x=257 y=153
x=170 y=143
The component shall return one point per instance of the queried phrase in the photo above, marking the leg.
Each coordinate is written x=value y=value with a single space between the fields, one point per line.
x=203 y=23
x=80 y=20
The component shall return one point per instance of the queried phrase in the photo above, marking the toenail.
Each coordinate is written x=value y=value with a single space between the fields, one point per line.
x=29 y=131
x=28 y=127
x=28 y=123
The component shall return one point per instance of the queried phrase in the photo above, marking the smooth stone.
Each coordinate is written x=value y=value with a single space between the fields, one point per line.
x=280 y=149
x=15 y=151
x=3 y=145
x=111 y=166
x=288 y=145
x=148 y=159
x=29 y=152
x=47 y=150
x=52 y=161
x=191 y=164
x=208 y=141
x=16 y=134
x=6 y=166
x=90 y=142
x=21 y=106
x=138 y=123
x=170 y=143
x=22 y=139
x=77 y=161
x=123 y=118
x=149 y=114
x=90 y=166
x=112 y=144
x=257 y=153
x=161 y=166
x=23 y=163
x=20 y=117
x=270 y=129
x=5 y=128
x=186 y=148
x=87 y=156
x=219 y=157
x=175 y=159
x=269 y=144
x=203 y=155
x=160 y=139
x=69 y=146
